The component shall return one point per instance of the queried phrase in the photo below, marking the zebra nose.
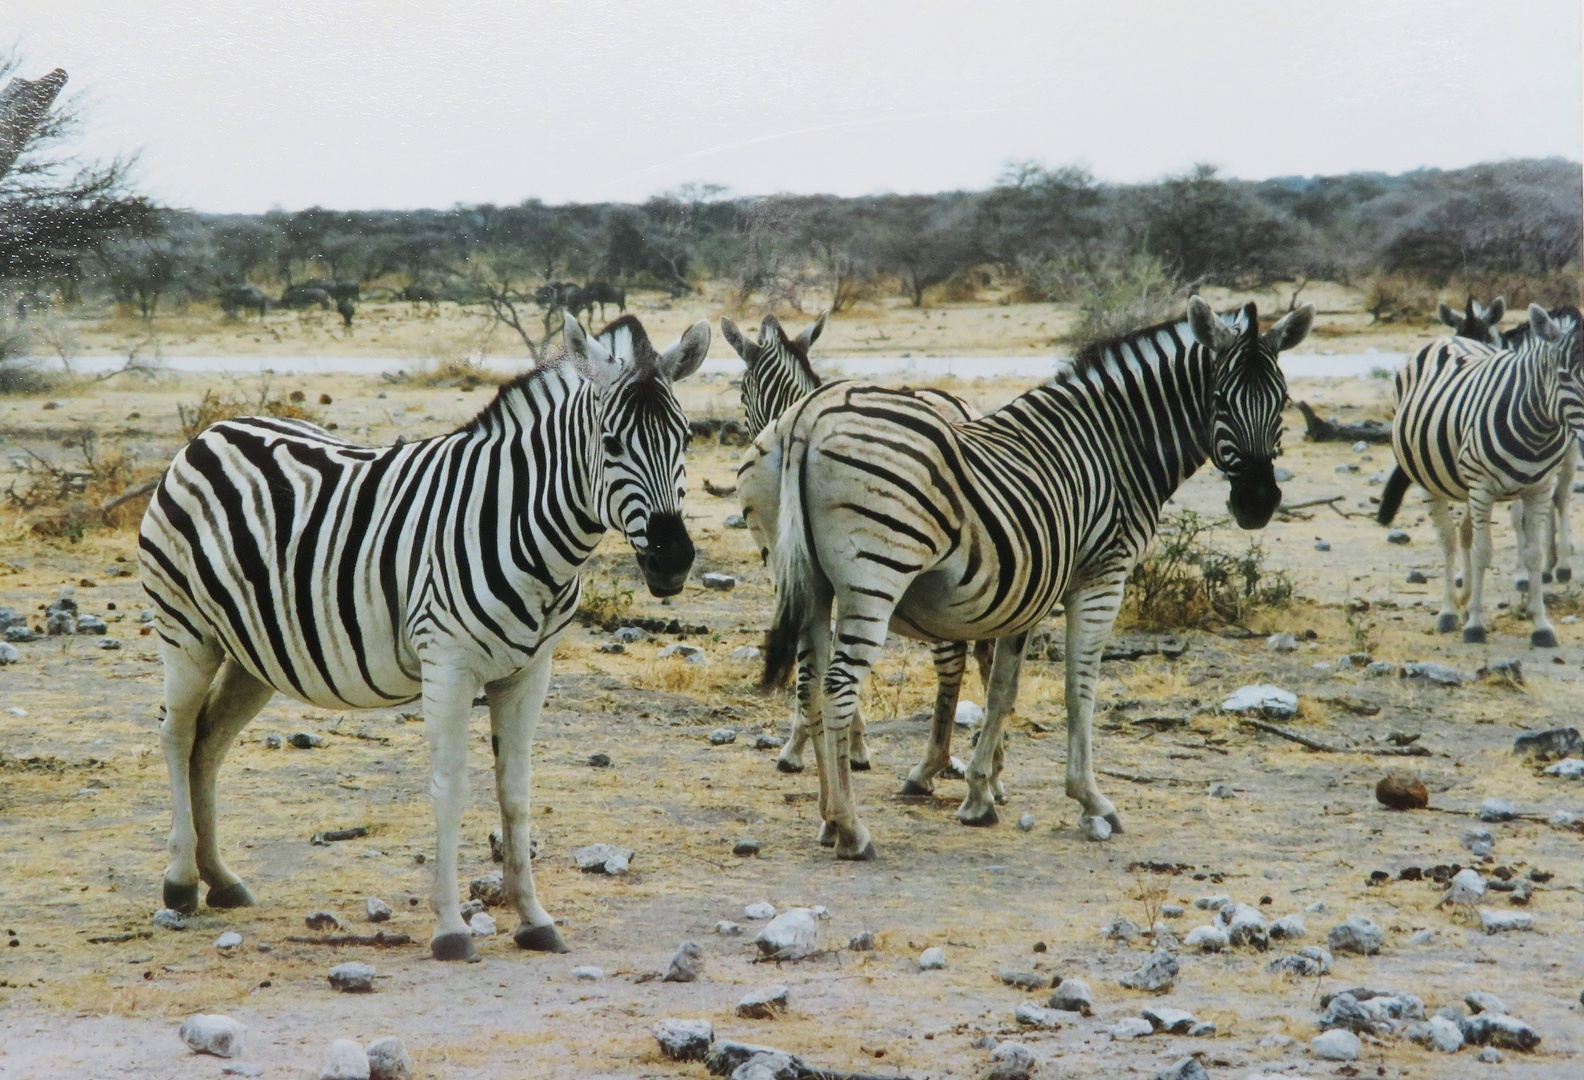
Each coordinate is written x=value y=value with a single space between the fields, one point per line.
x=1255 y=494
x=668 y=557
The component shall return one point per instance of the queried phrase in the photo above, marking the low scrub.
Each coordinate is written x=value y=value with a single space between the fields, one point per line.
x=463 y=374
x=1185 y=581
x=213 y=408
x=109 y=489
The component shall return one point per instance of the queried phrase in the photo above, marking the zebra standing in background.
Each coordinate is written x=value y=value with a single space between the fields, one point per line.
x=779 y=374
x=281 y=558
x=1477 y=424
x=953 y=532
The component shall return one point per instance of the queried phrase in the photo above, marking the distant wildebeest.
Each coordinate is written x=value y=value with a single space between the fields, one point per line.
x=419 y=293
x=602 y=293
x=249 y=297
x=338 y=289
x=301 y=296
x=346 y=308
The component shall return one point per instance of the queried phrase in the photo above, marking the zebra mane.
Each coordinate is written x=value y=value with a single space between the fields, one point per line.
x=1094 y=354
x=1518 y=335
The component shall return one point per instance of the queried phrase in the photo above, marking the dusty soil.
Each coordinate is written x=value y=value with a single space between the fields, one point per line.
x=83 y=816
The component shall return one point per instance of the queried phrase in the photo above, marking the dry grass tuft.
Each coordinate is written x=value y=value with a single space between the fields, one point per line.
x=1184 y=581
x=213 y=408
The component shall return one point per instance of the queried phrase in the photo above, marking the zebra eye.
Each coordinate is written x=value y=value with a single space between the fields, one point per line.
x=613 y=447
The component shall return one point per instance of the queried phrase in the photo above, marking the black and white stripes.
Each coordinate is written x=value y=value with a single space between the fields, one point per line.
x=282 y=558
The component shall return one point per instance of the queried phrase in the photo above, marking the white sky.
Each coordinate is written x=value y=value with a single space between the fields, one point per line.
x=240 y=105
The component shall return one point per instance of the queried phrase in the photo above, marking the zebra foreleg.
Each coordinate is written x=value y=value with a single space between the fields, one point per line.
x=447 y=700
x=1520 y=528
x=1561 y=533
x=842 y=684
x=1480 y=504
x=1536 y=507
x=1091 y=612
x=1447 y=530
x=234 y=698
x=950 y=662
x=984 y=769
x=813 y=661
x=188 y=674
x=515 y=705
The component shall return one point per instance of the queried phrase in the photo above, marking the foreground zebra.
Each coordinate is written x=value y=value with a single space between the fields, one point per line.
x=778 y=374
x=1477 y=424
x=947 y=532
x=281 y=558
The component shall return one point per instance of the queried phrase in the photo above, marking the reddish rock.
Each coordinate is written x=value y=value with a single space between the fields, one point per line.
x=1399 y=791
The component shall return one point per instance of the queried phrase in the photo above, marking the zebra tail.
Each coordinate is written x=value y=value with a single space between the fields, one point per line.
x=1392 y=497
x=796 y=579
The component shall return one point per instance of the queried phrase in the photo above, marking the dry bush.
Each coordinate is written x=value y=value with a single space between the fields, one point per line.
x=1115 y=297
x=463 y=374
x=965 y=286
x=1394 y=298
x=62 y=502
x=1548 y=290
x=213 y=408
x=1184 y=582
x=604 y=602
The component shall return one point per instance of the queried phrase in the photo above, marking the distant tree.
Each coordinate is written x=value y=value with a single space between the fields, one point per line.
x=173 y=259
x=1211 y=230
x=1035 y=212
x=925 y=243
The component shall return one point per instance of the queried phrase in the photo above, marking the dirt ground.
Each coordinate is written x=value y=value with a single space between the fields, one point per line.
x=83 y=818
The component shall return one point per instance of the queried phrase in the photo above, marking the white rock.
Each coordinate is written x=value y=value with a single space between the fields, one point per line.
x=1212 y=903
x=761 y=910
x=352 y=977
x=1337 y=1045
x=1026 y=823
x=1263 y=699
x=1207 y=939
x=1073 y=995
x=1243 y=924
x=791 y=935
x=1497 y=922
x=1497 y=810
x=345 y=1060
x=745 y=652
x=1131 y=1027
x=376 y=910
x=228 y=940
x=931 y=959
x=588 y=973
x=1572 y=768
x=1423 y=937
x=682 y=649
x=213 y=1034
x=1097 y=829
x=1172 y=911
x=820 y=912
x=1032 y=1015
x=602 y=859
x=167 y=919
x=683 y=1040
x=969 y=714
x=719 y=582
x=1010 y=1061
x=388 y=1059
x=728 y=928
x=1283 y=642
x=1220 y=790
x=242 y=1068
x=1288 y=928
x=482 y=925
x=1357 y=934
x=1316 y=908
x=1467 y=887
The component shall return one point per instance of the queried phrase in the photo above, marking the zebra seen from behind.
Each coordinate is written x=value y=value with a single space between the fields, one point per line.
x=1479 y=424
x=281 y=558
x=947 y=532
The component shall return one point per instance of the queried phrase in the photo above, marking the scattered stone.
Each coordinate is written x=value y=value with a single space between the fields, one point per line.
x=352 y=977
x=1395 y=536
x=1072 y=995
x=388 y=1059
x=1288 y=928
x=761 y=910
x=768 y=741
x=691 y=653
x=1555 y=743
x=471 y=908
x=1423 y=937
x=1283 y=474
x=791 y=935
x=1379 y=668
x=1276 y=1041
x=109 y=644
x=273 y=742
x=1271 y=702
x=1156 y=975
x=1220 y=790
x=766 y=1004
x=1207 y=939
x=91 y=624
x=1010 y=1061
x=1171 y=1021
x=9 y=653
x=1030 y=1015
x=1358 y=934
x=727 y=928
x=376 y=910
x=213 y=1033
x=1026 y=822
x=1096 y=829
x=1500 y=922
x=228 y=940
x=613 y=648
x=588 y=973
x=1244 y=925
x=166 y=919
x=1417 y=577
x=687 y=965
x=1499 y=1030
x=1489 y=1056
x=489 y=889
x=344 y=1060
x=1467 y=887
x=1184 y=1069
x=1571 y=768
x=1121 y=930
x=969 y=714
x=1309 y=961
x=735 y=521
x=1322 y=545
x=60 y=623
x=629 y=635
x=1480 y=842
x=305 y=740
x=602 y=859
x=1439 y=1034
x=1509 y=671
x=1336 y=1045
x=1131 y=1027
x=242 y=1068
x=684 y=1040
x=1497 y=810
x=746 y=652
x=719 y=582
x=20 y=634
x=1480 y=1001
x=931 y=959
x=1282 y=642
x=862 y=942
x=482 y=924
x=744 y=1061
x=322 y=920
x=1212 y=903
x=722 y=736
x=1401 y=791
x=745 y=848
x=1316 y=908
x=1439 y=674
x=1172 y=911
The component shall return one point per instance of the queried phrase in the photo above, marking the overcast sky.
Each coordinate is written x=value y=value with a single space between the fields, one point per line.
x=243 y=105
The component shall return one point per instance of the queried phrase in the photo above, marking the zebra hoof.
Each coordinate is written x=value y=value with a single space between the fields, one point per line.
x=827 y=834
x=452 y=946
x=1521 y=584
x=1114 y=820
x=182 y=898
x=783 y=765
x=1564 y=574
x=979 y=821
x=230 y=896
x=1543 y=639
x=1447 y=623
x=1545 y=577
x=868 y=854
x=859 y=764
x=1474 y=635
x=1457 y=581
x=913 y=787
x=540 y=939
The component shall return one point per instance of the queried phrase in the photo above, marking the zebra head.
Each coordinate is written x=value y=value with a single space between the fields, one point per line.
x=643 y=436
x=778 y=368
x=1476 y=321
x=1560 y=330
x=1250 y=392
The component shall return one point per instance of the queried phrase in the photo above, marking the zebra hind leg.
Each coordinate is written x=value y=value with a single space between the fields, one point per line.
x=1480 y=504
x=1519 y=528
x=950 y=661
x=1561 y=532
x=1447 y=530
x=234 y=699
x=841 y=686
x=979 y=807
x=1537 y=517
x=1090 y=615
x=188 y=673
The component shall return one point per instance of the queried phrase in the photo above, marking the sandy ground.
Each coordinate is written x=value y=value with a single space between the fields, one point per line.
x=83 y=816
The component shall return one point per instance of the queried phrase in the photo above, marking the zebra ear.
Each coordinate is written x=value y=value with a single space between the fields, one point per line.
x=1494 y=313
x=1544 y=326
x=734 y=337
x=1290 y=329
x=596 y=360
x=684 y=358
x=1448 y=316
x=812 y=331
x=1208 y=329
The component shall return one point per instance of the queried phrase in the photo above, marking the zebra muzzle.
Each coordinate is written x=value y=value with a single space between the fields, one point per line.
x=668 y=556
x=1255 y=495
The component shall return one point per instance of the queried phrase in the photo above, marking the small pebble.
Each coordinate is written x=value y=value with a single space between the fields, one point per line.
x=719 y=582
x=344 y=1060
x=1489 y=1056
x=1322 y=545
x=352 y=977
x=482 y=925
x=791 y=935
x=1497 y=810
x=213 y=1034
x=761 y=910
x=1073 y=995
x=273 y=742
x=228 y=940
x=969 y=714
x=1131 y=1027
x=166 y=919
x=1026 y=823
x=746 y=848
x=588 y=974
x=305 y=740
x=745 y=652
x=1395 y=536
x=767 y=741
x=729 y=929
x=686 y=965
x=1358 y=934
x=1096 y=829
x=388 y=1059
x=684 y=1040
x=599 y=759
x=765 y=1004
x=722 y=736
x=932 y=959
x=376 y=909
x=1338 y=1044
x=322 y=920
x=865 y=942
x=1220 y=790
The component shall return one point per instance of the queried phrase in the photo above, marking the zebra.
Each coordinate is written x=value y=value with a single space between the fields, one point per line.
x=281 y=558
x=1476 y=321
x=948 y=532
x=778 y=374
x=1479 y=424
